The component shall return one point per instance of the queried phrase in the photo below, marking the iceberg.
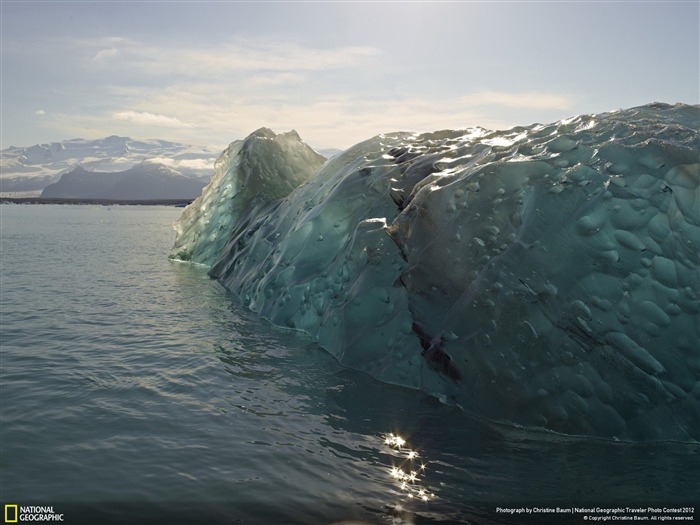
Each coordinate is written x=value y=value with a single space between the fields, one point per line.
x=546 y=276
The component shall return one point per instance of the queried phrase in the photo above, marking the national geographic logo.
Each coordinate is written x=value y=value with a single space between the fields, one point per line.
x=27 y=513
x=10 y=513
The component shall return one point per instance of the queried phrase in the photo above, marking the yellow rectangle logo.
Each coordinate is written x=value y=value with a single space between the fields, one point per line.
x=10 y=513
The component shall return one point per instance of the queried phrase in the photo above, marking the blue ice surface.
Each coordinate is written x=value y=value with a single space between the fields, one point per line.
x=546 y=276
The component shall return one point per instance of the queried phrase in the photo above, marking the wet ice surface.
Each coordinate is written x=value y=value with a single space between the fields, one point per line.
x=545 y=276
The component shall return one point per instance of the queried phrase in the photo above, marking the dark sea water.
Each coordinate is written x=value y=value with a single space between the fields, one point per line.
x=136 y=390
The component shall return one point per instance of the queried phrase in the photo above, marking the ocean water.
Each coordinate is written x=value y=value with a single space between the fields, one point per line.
x=134 y=389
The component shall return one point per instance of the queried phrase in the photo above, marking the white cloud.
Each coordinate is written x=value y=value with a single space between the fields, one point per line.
x=224 y=113
x=337 y=120
x=265 y=55
x=40 y=112
x=527 y=100
x=331 y=95
x=104 y=54
x=144 y=117
x=237 y=86
x=271 y=55
x=275 y=79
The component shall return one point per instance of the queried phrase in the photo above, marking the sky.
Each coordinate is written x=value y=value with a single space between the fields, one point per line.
x=208 y=73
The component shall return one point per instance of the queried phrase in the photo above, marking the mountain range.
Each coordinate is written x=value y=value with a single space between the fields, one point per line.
x=145 y=181
x=33 y=168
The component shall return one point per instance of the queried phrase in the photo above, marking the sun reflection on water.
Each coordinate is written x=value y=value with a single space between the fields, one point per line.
x=408 y=474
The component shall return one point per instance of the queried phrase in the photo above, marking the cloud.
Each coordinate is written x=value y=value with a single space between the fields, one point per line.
x=330 y=95
x=143 y=117
x=527 y=100
x=275 y=79
x=329 y=120
x=337 y=120
x=104 y=54
x=40 y=112
x=272 y=55
x=261 y=55
x=224 y=113
x=333 y=97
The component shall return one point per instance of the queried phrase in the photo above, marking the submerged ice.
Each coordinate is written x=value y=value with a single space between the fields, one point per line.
x=545 y=276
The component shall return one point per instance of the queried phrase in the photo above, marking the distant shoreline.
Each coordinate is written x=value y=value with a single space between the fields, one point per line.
x=104 y=202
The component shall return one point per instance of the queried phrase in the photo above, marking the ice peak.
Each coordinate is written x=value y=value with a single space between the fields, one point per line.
x=267 y=133
x=263 y=133
x=250 y=172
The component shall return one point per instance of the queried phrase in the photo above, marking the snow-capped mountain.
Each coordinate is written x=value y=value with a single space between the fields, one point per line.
x=145 y=181
x=35 y=167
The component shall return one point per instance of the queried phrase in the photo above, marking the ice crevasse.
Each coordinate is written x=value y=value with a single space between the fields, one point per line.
x=546 y=276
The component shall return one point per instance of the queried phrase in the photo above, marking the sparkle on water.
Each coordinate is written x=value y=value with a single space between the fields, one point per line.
x=407 y=473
